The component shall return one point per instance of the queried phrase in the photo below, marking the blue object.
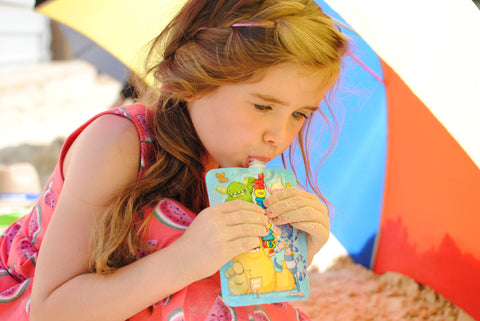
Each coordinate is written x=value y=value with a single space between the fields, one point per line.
x=352 y=177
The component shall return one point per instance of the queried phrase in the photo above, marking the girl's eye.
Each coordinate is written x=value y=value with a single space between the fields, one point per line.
x=298 y=114
x=262 y=107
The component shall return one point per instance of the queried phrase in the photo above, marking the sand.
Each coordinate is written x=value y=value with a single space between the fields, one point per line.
x=348 y=291
x=40 y=105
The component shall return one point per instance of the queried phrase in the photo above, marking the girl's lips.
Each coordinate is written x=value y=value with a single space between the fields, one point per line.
x=260 y=158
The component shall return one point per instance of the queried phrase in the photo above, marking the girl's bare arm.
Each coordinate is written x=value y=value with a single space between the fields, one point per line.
x=103 y=159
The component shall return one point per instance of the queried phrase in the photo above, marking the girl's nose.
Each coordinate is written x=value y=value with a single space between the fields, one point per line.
x=276 y=134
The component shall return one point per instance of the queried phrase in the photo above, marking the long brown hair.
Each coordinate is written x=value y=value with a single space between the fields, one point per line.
x=205 y=46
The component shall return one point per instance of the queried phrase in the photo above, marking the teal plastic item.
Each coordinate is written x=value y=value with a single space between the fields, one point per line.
x=276 y=271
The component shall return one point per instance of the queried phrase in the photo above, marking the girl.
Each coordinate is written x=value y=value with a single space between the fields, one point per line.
x=130 y=233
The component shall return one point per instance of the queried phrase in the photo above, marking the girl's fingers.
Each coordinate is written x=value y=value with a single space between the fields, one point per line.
x=246 y=230
x=304 y=214
x=244 y=217
x=294 y=204
x=283 y=212
x=237 y=205
x=301 y=209
x=234 y=220
x=241 y=212
x=290 y=200
x=243 y=245
x=313 y=228
x=287 y=194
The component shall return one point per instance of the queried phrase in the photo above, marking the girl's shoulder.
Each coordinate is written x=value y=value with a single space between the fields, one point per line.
x=107 y=147
x=128 y=134
x=139 y=115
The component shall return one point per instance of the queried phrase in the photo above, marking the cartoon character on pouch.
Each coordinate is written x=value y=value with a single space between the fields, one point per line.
x=285 y=242
x=254 y=272
x=269 y=242
x=276 y=187
x=238 y=191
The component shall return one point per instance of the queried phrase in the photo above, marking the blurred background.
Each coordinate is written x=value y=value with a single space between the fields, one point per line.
x=52 y=79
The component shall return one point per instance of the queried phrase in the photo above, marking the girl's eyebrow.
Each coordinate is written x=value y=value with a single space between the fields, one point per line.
x=272 y=99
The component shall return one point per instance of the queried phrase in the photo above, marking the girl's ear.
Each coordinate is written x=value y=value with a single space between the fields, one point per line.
x=189 y=98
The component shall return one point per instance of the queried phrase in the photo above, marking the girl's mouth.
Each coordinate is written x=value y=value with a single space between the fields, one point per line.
x=251 y=159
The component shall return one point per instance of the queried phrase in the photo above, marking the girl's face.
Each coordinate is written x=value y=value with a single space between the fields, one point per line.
x=257 y=119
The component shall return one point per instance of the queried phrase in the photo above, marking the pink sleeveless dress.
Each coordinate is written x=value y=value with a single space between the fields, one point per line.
x=200 y=301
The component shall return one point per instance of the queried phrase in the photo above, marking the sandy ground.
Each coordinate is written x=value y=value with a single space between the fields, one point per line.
x=348 y=291
x=40 y=105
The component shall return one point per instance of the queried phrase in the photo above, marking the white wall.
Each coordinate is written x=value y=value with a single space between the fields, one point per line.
x=24 y=34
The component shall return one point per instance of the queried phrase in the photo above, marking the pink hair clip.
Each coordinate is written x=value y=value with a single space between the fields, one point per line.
x=254 y=24
x=247 y=24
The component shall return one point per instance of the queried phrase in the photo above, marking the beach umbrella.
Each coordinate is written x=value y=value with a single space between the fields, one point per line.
x=122 y=28
x=83 y=48
x=404 y=178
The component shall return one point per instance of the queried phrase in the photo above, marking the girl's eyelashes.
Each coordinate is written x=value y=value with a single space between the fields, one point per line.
x=298 y=114
x=262 y=107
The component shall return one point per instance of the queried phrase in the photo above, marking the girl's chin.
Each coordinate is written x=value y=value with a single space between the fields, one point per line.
x=227 y=163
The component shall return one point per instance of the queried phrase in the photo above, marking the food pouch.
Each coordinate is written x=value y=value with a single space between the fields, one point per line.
x=276 y=271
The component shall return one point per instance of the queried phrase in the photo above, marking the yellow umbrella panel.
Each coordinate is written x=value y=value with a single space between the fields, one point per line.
x=122 y=27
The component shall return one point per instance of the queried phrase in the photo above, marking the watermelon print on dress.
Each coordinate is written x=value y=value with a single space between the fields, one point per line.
x=141 y=253
x=172 y=214
x=3 y=270
x=301 y=316
x=34 y=226
x=10 y=233
x=177 y=315
x=27 y=248
x=282 y=305
x=143 y=124
x=49 y=195
x=122 y=112
x=260 y=314
x=221 y=312
x=14 y=292
x=27 y=306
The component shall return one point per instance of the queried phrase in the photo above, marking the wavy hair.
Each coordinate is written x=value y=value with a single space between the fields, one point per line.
x=210 y=43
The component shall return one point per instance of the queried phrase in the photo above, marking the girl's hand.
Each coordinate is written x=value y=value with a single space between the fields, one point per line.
x=221 y=232
x=305 y=212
